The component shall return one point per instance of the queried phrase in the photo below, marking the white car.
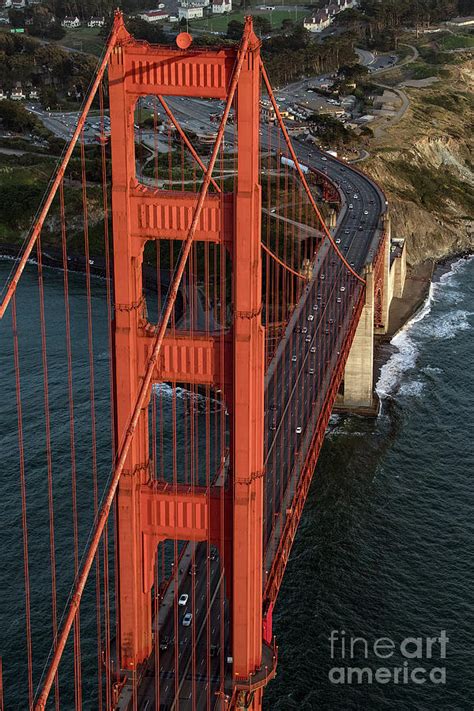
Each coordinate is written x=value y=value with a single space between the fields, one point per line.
x=351 y=206
x=366 y=212
x=323 y=158
x=310 y=317
x=343 y=288
x=293 y=358
x=313 y=349
x=308 y=338
x=187 y=619
x=183 y=600
x=299 y=430
x=338 y=241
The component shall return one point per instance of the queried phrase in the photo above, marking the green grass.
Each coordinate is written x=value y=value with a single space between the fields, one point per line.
x=457 y=42
x=84 y=39
x=218 y=23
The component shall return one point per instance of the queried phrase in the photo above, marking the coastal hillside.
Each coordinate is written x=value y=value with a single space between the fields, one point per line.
x=424 y=163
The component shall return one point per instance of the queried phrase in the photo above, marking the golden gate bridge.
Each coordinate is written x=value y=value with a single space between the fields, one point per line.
x=231 y=309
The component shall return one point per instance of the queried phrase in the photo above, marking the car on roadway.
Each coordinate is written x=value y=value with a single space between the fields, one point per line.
x=338 y=241
x=310 y=317
x=315 y=307
x=322 y=277
x=346 y=232
x=187 y=619
x=343 y=288
x=351 y=206
x=304 y=329
x=183 y=600
x=311 y=371
x=299 y=430
x=366 y=212
x=308 y=338
x=324 y=158
x=313 y=349
x=293 y=359
x=164 y=643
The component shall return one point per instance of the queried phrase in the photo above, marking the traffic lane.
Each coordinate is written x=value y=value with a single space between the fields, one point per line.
x=296 y=371
x=178 y=639
x=197 y=683
x=335 y=269
x=288 y=454
x=331 y=354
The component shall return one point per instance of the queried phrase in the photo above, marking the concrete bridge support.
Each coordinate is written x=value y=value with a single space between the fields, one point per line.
x=358 y=393
x=385 y=279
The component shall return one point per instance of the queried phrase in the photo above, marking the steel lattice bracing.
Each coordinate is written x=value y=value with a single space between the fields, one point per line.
x=228 y=311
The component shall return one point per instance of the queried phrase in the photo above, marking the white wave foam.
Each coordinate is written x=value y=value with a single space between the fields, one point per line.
x=412 y=387
x=447 y=326
x=166 y=391
x=405 y=356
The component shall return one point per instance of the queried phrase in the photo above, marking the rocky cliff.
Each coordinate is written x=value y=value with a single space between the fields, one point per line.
x=425 y=165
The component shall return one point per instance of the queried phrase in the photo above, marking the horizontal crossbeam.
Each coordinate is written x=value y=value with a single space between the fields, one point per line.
x=161 y=214
x=189 y=358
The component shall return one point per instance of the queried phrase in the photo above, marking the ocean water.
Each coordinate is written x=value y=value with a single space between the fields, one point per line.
x=385 y=548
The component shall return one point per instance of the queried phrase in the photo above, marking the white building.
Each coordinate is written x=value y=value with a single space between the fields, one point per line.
x=324 y=17
x=17 y=93
x=195 y=3
x=71 y=23
x=96 y=22
x=190 y=13
x=153 y=16
x=319 y=22
x=219 y=7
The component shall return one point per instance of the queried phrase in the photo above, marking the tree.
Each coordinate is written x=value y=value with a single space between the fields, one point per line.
x=48 y=98
x=287 y=25
x=15 y=117
x=262 y=25
x=235 y=30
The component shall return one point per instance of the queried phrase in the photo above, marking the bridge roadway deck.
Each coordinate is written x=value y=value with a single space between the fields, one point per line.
x=294 y=396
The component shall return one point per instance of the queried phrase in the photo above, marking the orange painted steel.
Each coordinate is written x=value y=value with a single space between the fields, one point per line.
x=282 y=263
x=301 y=174
x=60 y=172
x=247 y=434
x=120 y=113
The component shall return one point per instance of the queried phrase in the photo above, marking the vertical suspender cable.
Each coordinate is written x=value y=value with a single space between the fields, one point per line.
x=24 y=522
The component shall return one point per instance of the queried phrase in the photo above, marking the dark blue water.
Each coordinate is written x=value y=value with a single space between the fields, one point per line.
x=385 y=547
x=386 y=543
